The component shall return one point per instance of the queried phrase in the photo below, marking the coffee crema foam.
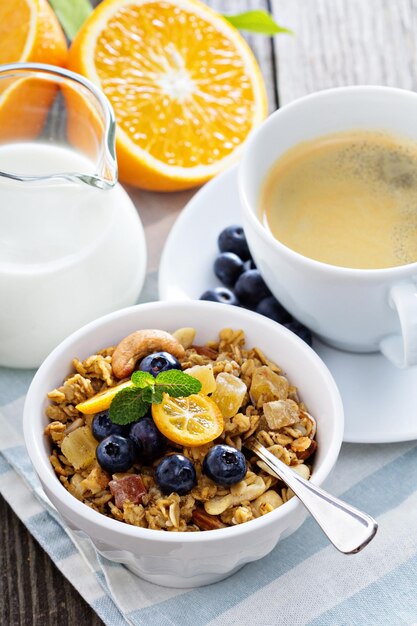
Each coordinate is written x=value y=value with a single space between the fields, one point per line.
x=348 y=199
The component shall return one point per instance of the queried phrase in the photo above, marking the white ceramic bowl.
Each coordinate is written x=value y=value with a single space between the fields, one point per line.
x=186 y=559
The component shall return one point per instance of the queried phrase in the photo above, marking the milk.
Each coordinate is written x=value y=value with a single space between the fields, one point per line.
x=69 y=252
x=45 y=221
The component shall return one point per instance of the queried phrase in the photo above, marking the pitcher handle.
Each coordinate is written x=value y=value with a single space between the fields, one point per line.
x=401 y=349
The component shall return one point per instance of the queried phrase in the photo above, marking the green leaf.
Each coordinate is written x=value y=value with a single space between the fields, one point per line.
x=127 y=406
x=71 y=14
x=132 y=403
x=147 y=394
x=142 y=379
x=175 y=383
x=257 y=21
x=157 y=395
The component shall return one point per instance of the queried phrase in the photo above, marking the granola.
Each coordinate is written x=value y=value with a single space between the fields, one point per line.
x=265 y=404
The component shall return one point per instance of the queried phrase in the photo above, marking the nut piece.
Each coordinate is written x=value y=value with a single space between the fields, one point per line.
x=266 y=502
x=205 y=521
x=241 y=492
x=185 y=336
x=301 y=444
x=305 y=454
x=138 y=345
x=206 y=351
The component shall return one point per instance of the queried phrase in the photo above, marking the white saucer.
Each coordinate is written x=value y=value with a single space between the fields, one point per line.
x=380 y=400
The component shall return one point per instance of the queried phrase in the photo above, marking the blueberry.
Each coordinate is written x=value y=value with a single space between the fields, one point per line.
x=233 y=239
x=159 y=362
x=176 y=473
x=228 y=267
x=149 y=442
x=102 y=426
x=220 y=294
x=224 y=465
x=300 y=330
x=115 y=454
x=251 y=288
x=270 y=307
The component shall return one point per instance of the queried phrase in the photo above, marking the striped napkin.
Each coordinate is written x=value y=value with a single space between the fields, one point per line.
x=303 y=581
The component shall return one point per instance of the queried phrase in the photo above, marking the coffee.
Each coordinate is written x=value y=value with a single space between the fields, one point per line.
x=348 y=199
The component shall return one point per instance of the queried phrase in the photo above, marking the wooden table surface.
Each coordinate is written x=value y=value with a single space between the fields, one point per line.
x=336 y=42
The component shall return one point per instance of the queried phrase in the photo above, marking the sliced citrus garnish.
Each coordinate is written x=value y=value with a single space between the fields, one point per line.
x=101 y=401
x=185 y=87
x=191 y=421
x=30 y=31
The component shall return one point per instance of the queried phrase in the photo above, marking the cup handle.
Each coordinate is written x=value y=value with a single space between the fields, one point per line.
x=401 y=349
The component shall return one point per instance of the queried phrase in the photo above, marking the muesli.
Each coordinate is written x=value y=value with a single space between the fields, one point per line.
x=177 y=479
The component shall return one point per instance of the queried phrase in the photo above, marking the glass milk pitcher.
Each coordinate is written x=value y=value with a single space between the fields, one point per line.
x=71 y=243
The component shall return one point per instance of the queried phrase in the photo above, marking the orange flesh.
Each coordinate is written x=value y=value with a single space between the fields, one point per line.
x=191 y=421
x=14 y=29
x=178 y=86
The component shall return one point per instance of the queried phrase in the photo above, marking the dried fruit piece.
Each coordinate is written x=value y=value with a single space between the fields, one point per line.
x=185 y=336
x=229 y=394
x=280 y=413
x=203 y=373
x=267 y=386
x=127 y=488
x=79 y=447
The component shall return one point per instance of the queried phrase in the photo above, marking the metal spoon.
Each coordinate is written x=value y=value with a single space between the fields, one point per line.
x=348 y=529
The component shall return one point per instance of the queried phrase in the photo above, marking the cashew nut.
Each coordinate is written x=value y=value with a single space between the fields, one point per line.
x=140 y=344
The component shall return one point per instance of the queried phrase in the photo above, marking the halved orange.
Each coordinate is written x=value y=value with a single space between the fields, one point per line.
x=191 y=421
x=185 y=87
x=101 y=401
x=30 y=31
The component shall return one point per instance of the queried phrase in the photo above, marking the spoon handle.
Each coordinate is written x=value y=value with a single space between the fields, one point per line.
x=348 y=529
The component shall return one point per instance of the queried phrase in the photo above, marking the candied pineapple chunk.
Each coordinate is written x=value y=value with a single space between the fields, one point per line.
x=267 y=386
x=203 y=373
x=280 y=413
x=229 y=394
x=79 y=447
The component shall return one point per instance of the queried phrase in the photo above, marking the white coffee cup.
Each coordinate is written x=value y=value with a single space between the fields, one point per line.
x=352 y=309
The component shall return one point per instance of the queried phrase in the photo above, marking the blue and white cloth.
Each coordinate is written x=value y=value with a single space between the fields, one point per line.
x=303 y=581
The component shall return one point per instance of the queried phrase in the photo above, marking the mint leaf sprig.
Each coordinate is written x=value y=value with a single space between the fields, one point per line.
x=132 y=403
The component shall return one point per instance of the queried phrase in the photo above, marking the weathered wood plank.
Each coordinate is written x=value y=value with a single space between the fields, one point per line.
x=345 y=42
x=32 y=591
